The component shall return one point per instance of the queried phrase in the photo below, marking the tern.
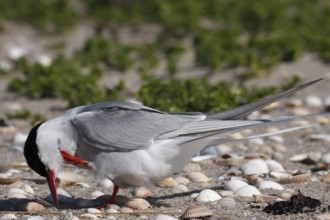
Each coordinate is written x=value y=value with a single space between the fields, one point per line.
x=132 y=144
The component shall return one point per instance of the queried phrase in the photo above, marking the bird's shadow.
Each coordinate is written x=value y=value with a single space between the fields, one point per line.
x=18 y=204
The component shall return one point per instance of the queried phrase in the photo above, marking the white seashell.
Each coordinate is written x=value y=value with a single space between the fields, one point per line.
x=208 y=195
x=256 y=166
x=35 y=218
x=20 y=138
x=197 y=211
x=167 y=182
x=142 y=192
x=313 y=101
x=13 y=171
x=137 y=203
x=280 y=175
x=16 y=190
x=198 y=177
x=256 y=141
x=81 y=184
x=180 y=189
x=192 y=167
x=234 y=185
x=164 y=217
x=28 y=189
x=181 y=180
x=274 y=166
x=88 y=216
x=247 y=191
x=8 y=217
x=111 y=210
x=17 y=195
x=326 y=158
x=94 y=211
x=96 y=194
x=227 y=202
x=68 y=178
x=194 y=195
x=201 y=158
x=270 y=185
x=34 y=207
x=6 y=178
x=106 y=183
x=276 y=138
x=125 y=210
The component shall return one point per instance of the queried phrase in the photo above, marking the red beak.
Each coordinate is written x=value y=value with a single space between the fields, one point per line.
x=52 y=185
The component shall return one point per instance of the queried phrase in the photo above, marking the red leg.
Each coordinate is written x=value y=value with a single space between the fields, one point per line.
x=73 y=159
x=113 y=196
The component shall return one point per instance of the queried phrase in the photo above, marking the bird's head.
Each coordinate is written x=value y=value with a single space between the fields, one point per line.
x=42 y=159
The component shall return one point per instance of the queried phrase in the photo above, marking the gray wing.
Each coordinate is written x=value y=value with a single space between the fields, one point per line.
x=123 y=127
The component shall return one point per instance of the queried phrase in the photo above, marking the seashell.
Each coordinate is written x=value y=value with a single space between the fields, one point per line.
x=301 y=178
x=325 y=216
x=313 y=101
x=255 y=166
x=13 y=171
x=227 y=202
x=142 y=192
x=106 y=183
x=180 y=189
x=196 y=211
x=111 y=210
x=96 y=194
x=236 y=136
x=267 y=184
x=270 y=107
x=323 y=137
x=310 y=158
x=325 y=158
x=68 y=178
x=280 y=175
x=28 y=189
x=192 y=167
x=322 y=120
x=276 y=138
x=226 y=193
x=83 y=185
x=137 y=203
x=17 y=193
x=208 y=195
x=181 y=180
x=66 y=216
x=164 y=217
x=7 y=179
x=294 y=102
x=279 y=148
x=19 y=138
x=247 y=191
x=194 y=195
x=88 y=216
x=168 y=182
x=265 y=198
x=19 y=165
x=198 y=177
x=235 y=184
x=274 y=166
x=8 y=217
x=224 y=149
x=34 y=207
x=256 y=141
x=94 y=211
x=201 y=158
x=125 y=210
x=36 y=217
x=326 y=178
x=286 y=195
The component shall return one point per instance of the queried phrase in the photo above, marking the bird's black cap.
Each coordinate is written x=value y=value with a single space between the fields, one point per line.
x=31 y=152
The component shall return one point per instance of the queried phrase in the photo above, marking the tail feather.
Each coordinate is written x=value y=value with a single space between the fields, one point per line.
x=251 y=107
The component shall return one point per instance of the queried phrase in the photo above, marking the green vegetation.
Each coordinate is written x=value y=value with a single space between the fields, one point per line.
x=24 y=114
x=251 y=36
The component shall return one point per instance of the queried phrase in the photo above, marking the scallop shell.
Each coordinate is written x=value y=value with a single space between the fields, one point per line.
x=8 y=217
x=96 y=194
x=196 y=211
x=325 y=158
x=265 y=198
x=181 y=180
x=208 y=195
x=125 y=210
x=192 y=167
x=180 y=189
x=198 y=177
x=227 y=202
x=142 y=192
x=168 y=182
x=88 y=216
x=68 y=178
x=137 y=203
x=247 y=191
x=274 y=166
x=34 y=207
x=280 y=175
x=234 y=185
x=256 y=166
x=17 y=193
x=270 y=185
x=106 y=183
x=94 y=211
x=7 y=179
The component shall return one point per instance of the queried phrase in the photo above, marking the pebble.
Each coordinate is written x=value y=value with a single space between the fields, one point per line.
x=313 y=101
